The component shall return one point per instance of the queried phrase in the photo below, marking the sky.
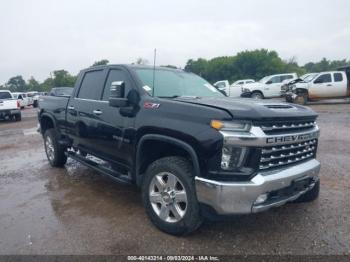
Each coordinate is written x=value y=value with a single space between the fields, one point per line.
x=40 y=36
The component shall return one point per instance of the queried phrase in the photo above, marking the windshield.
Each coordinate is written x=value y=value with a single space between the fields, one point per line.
x=5 y=95
x=308 y=77
x=169 y=83
x=264 y=79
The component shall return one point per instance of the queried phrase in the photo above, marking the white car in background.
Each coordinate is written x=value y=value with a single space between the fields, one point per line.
x=9 y=106
x=268 y=86
x=34 y=95
x=23 y=99
x=235 y=89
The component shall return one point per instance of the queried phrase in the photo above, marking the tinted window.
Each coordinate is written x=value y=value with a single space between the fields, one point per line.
x=286 y=77
x=338 y=77
x=91 y=87
x=248 y=82
x=5 y=95
x=240 y=83
x=275 y=79
x=115 y=75
x=325 y=78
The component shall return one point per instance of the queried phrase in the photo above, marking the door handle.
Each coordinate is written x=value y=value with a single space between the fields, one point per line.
x=329 y=85
x=70 y=107
x=97 y=112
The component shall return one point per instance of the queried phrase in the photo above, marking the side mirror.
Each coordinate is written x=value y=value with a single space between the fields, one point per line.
x=269 y=82
x=116 y=98
x=317 y=81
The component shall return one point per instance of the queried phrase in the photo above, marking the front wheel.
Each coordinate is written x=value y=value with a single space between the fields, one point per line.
x=257 y=95
x=169 y=196
x=54 y=151
x=300 y=99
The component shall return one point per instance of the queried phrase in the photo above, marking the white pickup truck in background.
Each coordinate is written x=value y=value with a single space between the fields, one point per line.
x=235 y=89
x=324 y=85
x=9 y=106
x=268 y=87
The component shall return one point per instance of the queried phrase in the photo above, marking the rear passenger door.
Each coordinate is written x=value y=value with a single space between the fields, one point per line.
x=339 y=84
x=116 y=131
x=83 y=110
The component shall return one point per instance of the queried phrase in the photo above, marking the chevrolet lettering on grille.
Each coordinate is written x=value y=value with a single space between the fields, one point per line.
x=291 y=138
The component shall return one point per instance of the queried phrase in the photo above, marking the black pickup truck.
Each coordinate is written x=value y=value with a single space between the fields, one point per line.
x=193 y=152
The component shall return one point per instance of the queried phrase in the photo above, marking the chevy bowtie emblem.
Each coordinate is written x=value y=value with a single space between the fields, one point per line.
x=149 y=105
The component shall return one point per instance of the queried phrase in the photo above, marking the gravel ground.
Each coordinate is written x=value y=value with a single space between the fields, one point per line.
x=74 y=210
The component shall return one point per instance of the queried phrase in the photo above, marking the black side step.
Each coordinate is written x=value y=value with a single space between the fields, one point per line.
x=117 y=177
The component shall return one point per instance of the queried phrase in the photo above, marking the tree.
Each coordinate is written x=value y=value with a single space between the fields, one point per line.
x=16 y=84
x=33 y=85
x=63 y=78
x=101 y=62
x=142 y=61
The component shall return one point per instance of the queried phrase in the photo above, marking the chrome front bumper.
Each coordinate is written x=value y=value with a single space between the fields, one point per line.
x=240 y=197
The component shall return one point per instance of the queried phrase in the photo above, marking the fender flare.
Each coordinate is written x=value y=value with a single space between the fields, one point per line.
x=185 y=146
x=45 y=114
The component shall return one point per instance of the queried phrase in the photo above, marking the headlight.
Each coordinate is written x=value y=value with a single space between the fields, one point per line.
x=238 y=126
x=232 y=157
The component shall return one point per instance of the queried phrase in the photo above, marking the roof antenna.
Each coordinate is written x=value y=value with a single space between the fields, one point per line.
x=154 y=69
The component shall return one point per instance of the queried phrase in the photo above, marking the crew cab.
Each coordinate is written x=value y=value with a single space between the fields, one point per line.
x=268 y=86
x=192 y=151
x=324 y=85
x=235 y=89
x=9 y=106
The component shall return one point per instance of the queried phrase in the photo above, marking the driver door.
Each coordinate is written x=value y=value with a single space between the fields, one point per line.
x=321 y=86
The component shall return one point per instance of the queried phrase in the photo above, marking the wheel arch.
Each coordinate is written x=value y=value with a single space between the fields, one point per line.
x=174 y=145
x=46 y=122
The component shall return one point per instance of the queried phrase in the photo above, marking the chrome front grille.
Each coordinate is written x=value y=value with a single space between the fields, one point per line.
x=287 y=126
x=275 y=156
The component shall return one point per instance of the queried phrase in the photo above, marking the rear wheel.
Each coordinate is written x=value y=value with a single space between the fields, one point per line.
x=55 y=152
x=18 y=117
x=169 y=196
x=257 y=95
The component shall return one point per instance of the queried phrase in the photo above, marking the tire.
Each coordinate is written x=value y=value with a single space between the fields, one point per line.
x=55 y=153
x=257 y=95
x=22 y=107
x=300 y=99
x=18 y=117
x=187 y=217
x=310 y=195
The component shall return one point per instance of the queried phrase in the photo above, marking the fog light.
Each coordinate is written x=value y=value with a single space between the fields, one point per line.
x=261 y=199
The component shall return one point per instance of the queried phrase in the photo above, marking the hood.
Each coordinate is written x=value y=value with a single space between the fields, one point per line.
x=253 y=109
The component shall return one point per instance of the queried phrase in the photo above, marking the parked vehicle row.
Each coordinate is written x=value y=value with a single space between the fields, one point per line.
x=9 y=106
x=193 y=151
x=234 y=89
